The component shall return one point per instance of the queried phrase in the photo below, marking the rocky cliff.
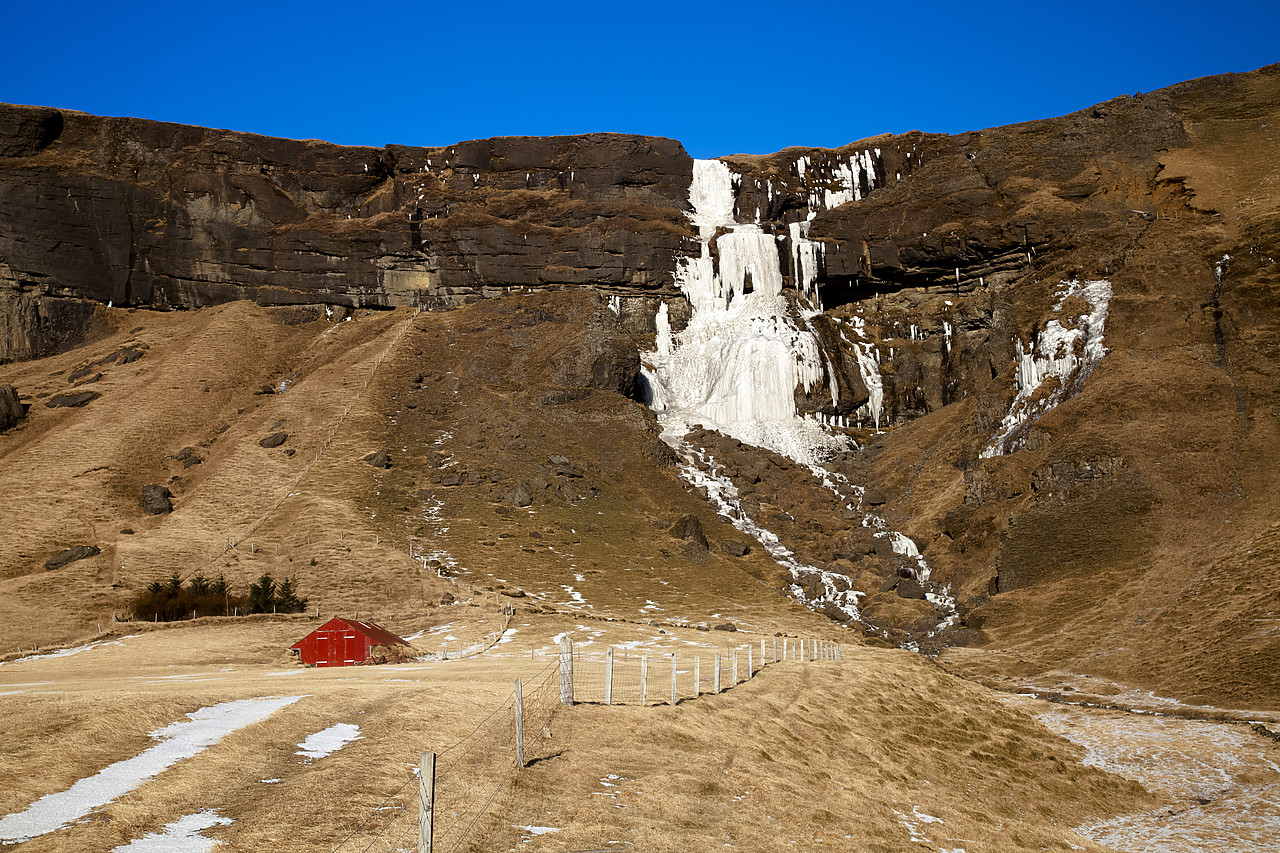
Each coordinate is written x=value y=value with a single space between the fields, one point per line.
x=147 y=214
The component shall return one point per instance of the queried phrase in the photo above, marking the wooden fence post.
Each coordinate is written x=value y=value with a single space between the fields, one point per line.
x=839 y=652
x=644 y=677
x=697 y=677
x=750 y=662
x=426 y=799
x=673 y=678
x=735 y=668
x=716 y=687
x=775 y=648
x=566 y=671
x=519 y=726
x=762 y=657
x=608 y=676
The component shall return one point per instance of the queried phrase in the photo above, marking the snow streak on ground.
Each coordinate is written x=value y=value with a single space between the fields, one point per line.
x=88 y=647
x=181 y=836
x=699 y=469
x=329 y=740
x=179 y=740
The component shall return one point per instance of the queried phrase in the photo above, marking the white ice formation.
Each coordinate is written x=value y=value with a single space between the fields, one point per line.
x=1054 y=365
x=736 y=366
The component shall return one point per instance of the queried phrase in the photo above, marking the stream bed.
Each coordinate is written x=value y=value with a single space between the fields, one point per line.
x=1222 y=778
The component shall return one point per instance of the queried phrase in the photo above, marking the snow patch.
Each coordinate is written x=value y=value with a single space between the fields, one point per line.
x=183 y=739
x=1054 y=365
x=329 y=741
x=181 y=836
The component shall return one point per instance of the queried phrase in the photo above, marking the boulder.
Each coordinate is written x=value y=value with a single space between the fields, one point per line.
x=910 y=588
x=695 y=551
x=156 y=499
x=63 y=558
x=379 y=459
x=724 y=626
x=11 y=412
x=874 y=497
x=274 y=440
x=521 y=495
x=562 y=466
x=688 y=528
x=71 y=401
x=735 y=548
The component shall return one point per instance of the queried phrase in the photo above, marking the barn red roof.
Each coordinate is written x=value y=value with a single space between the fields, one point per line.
x=341 y=642
x=380 y=636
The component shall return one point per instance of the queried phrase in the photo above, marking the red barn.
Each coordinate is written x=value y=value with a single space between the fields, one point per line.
x=343 y=642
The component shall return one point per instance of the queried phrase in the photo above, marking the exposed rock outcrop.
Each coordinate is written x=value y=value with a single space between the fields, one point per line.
x=156 y=499
x=152 y=214
x=71 y=555
x=11 y=412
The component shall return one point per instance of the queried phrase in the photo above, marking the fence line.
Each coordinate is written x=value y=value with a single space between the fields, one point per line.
x=609 y=679
x=436 y=810
x=479 y=647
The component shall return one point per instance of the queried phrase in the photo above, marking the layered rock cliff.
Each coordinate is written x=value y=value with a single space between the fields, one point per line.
x=147 y=214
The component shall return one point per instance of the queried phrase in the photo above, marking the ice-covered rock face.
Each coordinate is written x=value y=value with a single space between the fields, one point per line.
x=1053 y=366
x=736 y=366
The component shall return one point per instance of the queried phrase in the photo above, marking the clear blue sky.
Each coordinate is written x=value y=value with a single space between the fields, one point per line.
x=722 y=78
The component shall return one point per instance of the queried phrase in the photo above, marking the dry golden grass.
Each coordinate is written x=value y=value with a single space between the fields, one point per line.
x=817 y=756
x=809 y=752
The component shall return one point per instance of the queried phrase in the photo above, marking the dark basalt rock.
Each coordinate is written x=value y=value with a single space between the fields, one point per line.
x=156 y=500
x=379 y=459
x=274 y=440
x=145 y=213
x=688 y=528
x=521 y=495
x=64 y=558
x=910 y=588
x=71 y=401
x=735 y=548
x=11 y=411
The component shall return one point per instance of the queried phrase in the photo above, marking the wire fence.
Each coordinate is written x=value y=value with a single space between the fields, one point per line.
x=467 y=777
x=438 y=808
x=621 y=677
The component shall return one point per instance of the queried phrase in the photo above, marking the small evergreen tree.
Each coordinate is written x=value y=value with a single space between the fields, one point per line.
x=287 y=599
x=262 y=595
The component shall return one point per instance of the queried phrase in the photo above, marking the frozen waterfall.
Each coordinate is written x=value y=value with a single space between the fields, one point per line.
x=1053 y=367
x=736 y=366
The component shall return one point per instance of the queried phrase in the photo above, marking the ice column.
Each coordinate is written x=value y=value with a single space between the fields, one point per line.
x=738 y=363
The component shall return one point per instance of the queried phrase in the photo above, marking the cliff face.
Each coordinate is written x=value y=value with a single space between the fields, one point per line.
x=148 y=214
x=1053 y=345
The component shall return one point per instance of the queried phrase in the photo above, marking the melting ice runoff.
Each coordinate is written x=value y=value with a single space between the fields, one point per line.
x=736 y=366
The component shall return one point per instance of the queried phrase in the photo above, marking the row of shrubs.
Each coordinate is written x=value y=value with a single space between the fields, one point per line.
x=171 y=601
